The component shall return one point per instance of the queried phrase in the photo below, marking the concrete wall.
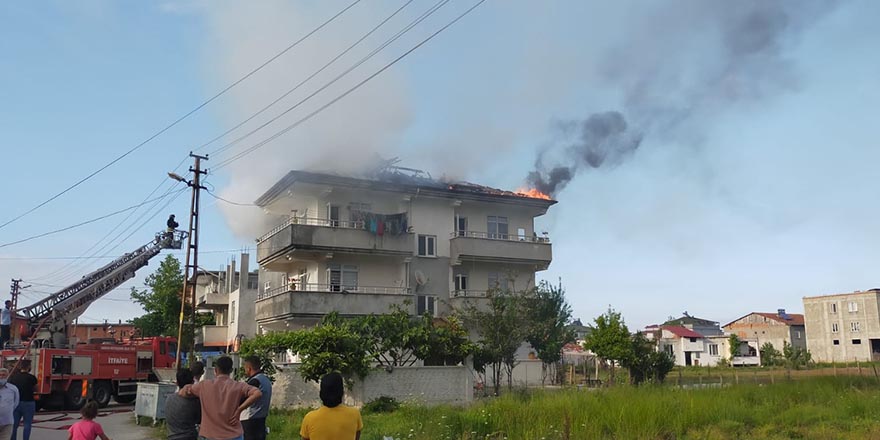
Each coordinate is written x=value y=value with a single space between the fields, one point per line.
x=831 y=330
x=423 y=385
x=769 y=330
x=478 y=213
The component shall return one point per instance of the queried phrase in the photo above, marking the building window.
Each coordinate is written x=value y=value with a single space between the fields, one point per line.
x=342 y=277
x=855 y=326
x=267 y=286
x=461 y=226
x=857 y=342
x=668 y=349
x=427 y=245
x=797 y=335
x=497 y=281
x=713 y=349
x=461 y=282
x=693 y=339
x=232 y=313
x=333 y=215
x=426 y=304
x=253 y=281
x=835 y=328
x=836 y=342
x=833 y=307
x=497 y=227
x=853 y=307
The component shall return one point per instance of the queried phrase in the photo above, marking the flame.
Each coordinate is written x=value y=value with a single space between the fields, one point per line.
x=532 y=193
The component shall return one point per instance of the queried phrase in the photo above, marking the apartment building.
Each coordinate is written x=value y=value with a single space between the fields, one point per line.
x=775 y=328
x=396 y=237
x=843 y=327
x=230 y=297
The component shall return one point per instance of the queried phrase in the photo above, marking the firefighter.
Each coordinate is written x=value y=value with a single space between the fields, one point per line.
x=172 y=225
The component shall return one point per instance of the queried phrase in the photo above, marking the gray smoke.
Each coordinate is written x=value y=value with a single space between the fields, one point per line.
x=677 y=71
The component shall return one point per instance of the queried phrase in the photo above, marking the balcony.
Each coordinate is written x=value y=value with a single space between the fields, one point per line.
x=212 y=300
x=312 y=235
x=501 y=248
x=212 y=335
x=316 y=300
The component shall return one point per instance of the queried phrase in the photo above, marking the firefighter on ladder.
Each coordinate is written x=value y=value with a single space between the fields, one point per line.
x=172 y=226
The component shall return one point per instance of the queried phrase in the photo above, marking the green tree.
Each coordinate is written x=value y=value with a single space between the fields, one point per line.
x=770 y=356
x=548 y=314
x=734 y=346
x=645 y=363
x=609 y=339
x=161 y=302
x=795 y=357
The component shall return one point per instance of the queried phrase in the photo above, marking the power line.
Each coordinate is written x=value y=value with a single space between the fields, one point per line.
x=346 y=93
x=300 y=84
x=98 y=257
x=228 y=201
x=178 y=120
x=67 y=228
x=366 y=58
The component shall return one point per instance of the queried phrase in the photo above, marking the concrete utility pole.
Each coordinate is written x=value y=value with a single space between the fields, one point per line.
x=192 y=254
x=15 y=291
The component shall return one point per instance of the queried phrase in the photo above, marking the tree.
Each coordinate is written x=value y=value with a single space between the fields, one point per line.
x=548 y=315
x=770 y=356
x=734 y=346
x=161 y=302
x=609 y=339
x=796 y=357
x=645 y=363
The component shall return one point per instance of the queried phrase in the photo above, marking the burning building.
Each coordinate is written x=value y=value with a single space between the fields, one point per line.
x=395 y=236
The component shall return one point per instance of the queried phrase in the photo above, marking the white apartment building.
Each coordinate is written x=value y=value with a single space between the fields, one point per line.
x=230 y=296
x=360 y=245
x=844 y=327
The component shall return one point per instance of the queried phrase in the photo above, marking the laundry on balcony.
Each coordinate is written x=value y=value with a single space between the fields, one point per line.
x=381 y=224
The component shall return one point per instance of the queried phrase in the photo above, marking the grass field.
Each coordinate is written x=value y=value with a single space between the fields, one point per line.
x=809 y=408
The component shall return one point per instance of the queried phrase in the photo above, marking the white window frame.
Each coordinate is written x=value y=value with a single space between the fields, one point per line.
x=501 y=282
x=853 y=307
x=459 y=286
x=713 y=349
x=430 y=304
x=497 y=220
x=350 y=270
x=835 y=328
x=267 y=286
x=855 y=326
x=430 y=251
x=460 y=221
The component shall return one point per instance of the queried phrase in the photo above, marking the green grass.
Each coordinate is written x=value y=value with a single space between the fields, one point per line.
x=814 y=408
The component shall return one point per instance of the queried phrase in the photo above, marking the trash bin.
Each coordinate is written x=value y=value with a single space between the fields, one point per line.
x=150 y=401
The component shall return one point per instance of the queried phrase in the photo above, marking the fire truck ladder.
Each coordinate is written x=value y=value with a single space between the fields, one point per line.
x=59 y=309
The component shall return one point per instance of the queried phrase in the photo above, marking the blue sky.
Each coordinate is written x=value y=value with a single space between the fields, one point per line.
x=754 y=184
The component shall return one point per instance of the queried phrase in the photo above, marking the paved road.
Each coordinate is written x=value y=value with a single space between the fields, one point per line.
x=118 y=423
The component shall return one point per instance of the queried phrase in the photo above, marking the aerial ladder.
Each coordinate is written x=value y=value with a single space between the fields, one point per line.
x=48 y=319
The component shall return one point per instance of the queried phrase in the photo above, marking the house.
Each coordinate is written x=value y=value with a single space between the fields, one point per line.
x=690 y=348
x=843 y=327
x=775 y=328
x=84 y=332
x=704 y=327
x=230 y=297
x=393 y=237
x=579 y=329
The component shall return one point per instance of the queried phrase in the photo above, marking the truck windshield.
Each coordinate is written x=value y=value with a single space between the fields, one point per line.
x=172 y=348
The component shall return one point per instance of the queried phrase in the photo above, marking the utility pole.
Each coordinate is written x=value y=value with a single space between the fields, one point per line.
x=192 y=255
x=15 y=291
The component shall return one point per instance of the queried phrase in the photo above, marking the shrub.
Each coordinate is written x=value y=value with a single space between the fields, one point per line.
x=383 y=404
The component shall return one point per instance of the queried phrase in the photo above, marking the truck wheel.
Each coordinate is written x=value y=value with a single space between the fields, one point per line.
x=125 y=399
x=102 y=393
x=73 y=399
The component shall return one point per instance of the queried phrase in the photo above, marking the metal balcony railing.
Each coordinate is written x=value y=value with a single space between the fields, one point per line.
x=502 y=237
x=333 y=288
x=469 y=293
x=308 y=221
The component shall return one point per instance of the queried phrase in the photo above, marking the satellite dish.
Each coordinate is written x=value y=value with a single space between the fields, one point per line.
x=421 y=279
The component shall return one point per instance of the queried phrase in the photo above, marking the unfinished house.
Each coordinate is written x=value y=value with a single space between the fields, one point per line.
x=776 y=328
x=394 y=237
x=230 y=297
x=843 y=327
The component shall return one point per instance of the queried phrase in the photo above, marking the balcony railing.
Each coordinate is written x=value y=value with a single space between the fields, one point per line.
x=327 y=223
x=469 y=293
x=333 y=288
x=502 y=237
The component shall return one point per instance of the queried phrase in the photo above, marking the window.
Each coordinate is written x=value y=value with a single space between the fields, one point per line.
x=333 y=215
x=797 y=335
x=497 y=281
x=342 y=277
x=857 y=342
x=267 y=286
x=521 y=234
x=668 y=349
x=855 y=326
x=426 y=304
x=693 y=339
x=853 y=307
x=497 y=227
x=713 y=349
x=835 y=328
x=461 y=282
x=427 y=245
x=253 y=281
x=232 y=313
x=836 y=342
x=461 y=226
x=833 y=307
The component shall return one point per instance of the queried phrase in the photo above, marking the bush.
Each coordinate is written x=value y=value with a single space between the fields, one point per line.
x=382 y=404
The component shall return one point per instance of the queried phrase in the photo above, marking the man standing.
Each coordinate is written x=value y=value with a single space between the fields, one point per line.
x=25 y=382
x=5 y=323
x=182 y=414
x=253 y=419
x=8 y=403
x=171 y=223
x=332 y=420
x=198 y=370
x=222 y=401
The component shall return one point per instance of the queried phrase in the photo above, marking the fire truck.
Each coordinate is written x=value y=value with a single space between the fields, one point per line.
x=70 y=372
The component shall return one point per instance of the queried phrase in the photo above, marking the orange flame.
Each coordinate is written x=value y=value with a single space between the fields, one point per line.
x=532 y=193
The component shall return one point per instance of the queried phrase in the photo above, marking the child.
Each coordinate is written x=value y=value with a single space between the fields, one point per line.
x=87 y=428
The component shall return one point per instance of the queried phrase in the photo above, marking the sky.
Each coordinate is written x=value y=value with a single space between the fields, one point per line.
x=738 y=173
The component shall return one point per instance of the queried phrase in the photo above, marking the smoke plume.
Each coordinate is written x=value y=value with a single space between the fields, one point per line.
x=676 y=72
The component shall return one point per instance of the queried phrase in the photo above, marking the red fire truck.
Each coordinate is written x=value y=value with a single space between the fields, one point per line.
x=68 y=372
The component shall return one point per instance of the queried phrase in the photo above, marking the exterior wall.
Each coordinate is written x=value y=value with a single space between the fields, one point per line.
x=765 y=330
x=422 y=385
x=477 y=216
x=83 y=332
x=862 y=325
x=700 y=350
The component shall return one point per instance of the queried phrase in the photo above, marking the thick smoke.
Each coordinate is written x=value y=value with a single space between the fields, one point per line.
x=679 y=69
